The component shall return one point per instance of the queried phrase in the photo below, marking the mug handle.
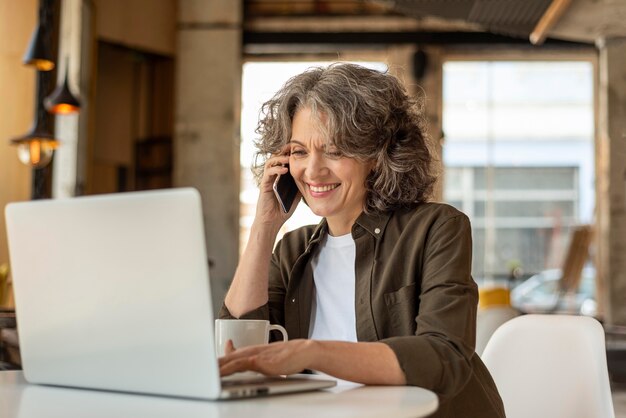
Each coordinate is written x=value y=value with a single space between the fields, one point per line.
x=282 y=331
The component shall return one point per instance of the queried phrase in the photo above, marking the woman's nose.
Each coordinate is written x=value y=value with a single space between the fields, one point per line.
x=316 y=166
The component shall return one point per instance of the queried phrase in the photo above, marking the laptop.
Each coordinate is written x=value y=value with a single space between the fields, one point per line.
x=112 y=292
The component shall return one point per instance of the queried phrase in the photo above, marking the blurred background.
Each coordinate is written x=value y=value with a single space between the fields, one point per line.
x=525 y=102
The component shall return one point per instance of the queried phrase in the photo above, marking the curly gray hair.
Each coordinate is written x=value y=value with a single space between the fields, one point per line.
x=368 y=116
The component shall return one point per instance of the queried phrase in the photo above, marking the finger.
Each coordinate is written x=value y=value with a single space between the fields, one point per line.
x=269 y=176
x=272 y=172
x=278 y=169
x=239 y=365
x=230 y=347
x=277 y=160
x=243 y=352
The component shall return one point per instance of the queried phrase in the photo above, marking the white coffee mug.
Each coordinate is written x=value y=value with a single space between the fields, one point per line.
x=243 y=332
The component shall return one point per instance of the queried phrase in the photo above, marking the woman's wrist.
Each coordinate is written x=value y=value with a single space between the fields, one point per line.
x=314 y=352
x=264 y=231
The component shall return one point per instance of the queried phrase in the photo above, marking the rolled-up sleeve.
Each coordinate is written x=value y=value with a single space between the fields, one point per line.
x=438 y=356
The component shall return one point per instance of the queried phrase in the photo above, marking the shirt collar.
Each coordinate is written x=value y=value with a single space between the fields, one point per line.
x=318 y=232
x=374 y=223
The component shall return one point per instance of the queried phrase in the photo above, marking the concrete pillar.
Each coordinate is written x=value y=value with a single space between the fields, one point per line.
x=611 y=182
x=206 y=138
x=75 y=57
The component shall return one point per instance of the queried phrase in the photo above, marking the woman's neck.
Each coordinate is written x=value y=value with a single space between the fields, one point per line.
x=341 y=226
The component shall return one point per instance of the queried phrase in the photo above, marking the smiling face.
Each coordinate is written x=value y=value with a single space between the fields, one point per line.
x=332 y=185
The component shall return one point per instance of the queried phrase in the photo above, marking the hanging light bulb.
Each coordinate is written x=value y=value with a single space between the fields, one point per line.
x=36 y=148
x=36 y=152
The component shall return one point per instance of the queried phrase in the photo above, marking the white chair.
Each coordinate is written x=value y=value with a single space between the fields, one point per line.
x=487 y=322
x=551 y=366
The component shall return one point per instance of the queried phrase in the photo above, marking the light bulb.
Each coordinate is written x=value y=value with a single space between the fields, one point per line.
x=35 y=153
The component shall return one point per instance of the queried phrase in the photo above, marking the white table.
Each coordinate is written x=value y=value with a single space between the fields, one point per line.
x=21 y=399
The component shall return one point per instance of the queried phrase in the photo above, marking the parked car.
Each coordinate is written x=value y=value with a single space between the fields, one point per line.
x=540 y=294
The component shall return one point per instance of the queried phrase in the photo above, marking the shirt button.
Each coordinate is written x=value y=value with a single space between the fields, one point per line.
x=293 y=300
x=377 y=231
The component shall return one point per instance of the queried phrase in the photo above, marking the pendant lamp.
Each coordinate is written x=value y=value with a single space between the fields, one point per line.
x=61 y=101
x=38 y=53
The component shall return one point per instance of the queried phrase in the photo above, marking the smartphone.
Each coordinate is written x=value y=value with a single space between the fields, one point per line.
x=285 y=190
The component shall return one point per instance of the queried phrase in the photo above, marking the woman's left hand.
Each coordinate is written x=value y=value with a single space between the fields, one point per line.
x=280 y=358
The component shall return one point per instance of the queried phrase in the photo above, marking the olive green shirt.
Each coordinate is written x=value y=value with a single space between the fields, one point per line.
x=414 y=292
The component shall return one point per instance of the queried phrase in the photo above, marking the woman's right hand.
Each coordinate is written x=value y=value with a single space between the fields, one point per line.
x=268 y=210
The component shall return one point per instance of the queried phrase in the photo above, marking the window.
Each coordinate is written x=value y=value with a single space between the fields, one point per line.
x=518 y=153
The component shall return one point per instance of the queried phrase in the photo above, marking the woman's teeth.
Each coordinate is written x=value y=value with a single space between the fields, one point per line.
x=320 y=189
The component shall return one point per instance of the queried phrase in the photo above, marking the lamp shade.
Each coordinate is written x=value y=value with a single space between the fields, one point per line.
x=38 y=53
x=61 y=101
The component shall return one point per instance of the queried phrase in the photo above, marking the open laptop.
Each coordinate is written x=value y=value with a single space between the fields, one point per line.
x=112 y=292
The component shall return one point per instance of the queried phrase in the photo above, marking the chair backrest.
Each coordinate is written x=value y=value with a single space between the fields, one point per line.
x=551 y=366
x=488 y=320
x=575 y=258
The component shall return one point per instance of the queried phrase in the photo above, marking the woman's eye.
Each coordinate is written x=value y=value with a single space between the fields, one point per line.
x=334 y=154
x=297 y=152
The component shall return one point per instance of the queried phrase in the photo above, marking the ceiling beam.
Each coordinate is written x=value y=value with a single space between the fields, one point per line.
x=388 y=38
x=548 y=20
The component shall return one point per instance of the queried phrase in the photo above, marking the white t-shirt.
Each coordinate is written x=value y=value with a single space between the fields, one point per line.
x=332 y=313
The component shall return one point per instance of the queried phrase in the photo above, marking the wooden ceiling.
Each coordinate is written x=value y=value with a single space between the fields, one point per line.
x=314 y=8
x=585 y=21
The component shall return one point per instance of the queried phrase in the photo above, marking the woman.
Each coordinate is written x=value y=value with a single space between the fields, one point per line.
x=380 y=291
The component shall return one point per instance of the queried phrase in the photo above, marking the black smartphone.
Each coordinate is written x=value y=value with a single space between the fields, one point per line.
x=286 y=190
